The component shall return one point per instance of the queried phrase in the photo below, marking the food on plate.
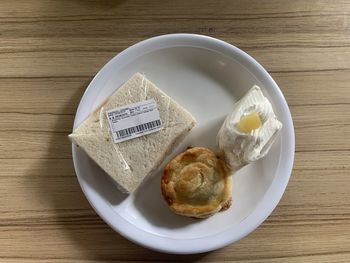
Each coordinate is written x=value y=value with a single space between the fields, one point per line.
x=129 y=162
x=249 y=130
x=196 y=183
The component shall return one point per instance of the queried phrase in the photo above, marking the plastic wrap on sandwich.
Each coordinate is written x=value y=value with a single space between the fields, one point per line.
x=130 y=134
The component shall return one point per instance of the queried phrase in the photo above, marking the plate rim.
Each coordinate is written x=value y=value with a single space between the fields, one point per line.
x=263 y=209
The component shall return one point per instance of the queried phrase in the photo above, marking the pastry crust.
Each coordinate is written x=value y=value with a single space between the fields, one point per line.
x=197 y=184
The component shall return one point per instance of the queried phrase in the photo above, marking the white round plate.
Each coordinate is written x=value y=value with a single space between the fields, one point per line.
x=206 y=76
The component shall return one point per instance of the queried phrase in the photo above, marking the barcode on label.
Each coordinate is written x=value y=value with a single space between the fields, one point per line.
x=134 y=120
x=139 y=128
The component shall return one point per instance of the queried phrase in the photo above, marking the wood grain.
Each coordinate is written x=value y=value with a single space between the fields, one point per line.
x=50 y=51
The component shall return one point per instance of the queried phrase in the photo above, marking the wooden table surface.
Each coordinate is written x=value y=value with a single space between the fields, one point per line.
x=50 y=51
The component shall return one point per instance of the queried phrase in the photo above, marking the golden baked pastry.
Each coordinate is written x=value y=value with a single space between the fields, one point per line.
x=197 y=184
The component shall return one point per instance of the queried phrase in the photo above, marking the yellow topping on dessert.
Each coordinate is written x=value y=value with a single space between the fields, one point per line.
x=249 y=122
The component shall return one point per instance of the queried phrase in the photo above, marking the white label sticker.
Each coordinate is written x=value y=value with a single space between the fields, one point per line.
x=134 y=120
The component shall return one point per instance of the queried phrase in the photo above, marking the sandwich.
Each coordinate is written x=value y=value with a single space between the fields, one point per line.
x=130 y=155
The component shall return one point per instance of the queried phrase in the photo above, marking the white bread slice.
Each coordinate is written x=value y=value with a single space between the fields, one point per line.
x=130 y=162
